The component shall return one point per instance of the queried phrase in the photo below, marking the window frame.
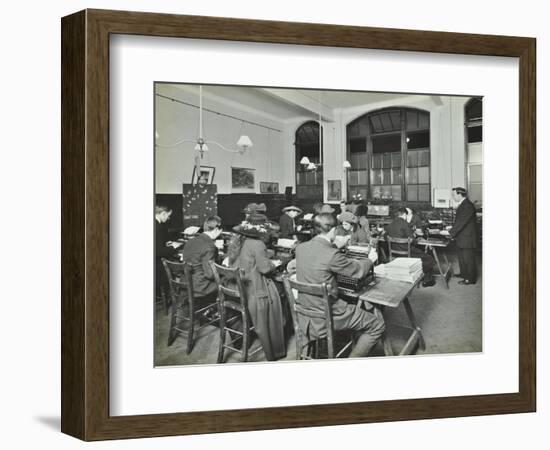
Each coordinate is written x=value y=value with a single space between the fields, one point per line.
x=403 y=131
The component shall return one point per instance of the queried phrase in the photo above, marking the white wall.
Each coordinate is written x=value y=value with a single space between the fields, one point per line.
x=30 y=169
x=176 y=121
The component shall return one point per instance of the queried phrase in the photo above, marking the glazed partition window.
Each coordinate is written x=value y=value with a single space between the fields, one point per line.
x=389 y=152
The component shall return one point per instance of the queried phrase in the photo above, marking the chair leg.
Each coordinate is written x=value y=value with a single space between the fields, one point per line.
x=172 y=333
x=191 y=331
x=222 y=336
x=246 y=335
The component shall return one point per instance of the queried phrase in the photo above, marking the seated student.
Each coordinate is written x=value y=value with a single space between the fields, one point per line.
x=318 y=261
x=349 y=226
x=400 y=228
x=361 y=212
x=199 y=251
x=248 y=251
x=287 y=223
x=164 y=247
x=414 y=221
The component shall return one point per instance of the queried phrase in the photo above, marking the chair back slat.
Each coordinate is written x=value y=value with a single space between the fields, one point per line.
x=224 y=275
x=180 y=279
x=401 y=241
x=298 y=309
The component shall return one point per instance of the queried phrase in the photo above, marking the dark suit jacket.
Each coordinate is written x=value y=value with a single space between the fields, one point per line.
x=318 y=261
x=464 y=230
x=399 y=228
x=161 y=237
x=199 y=251
x=287 y=227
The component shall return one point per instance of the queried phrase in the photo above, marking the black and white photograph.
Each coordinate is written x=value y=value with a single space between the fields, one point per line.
x=383 y=259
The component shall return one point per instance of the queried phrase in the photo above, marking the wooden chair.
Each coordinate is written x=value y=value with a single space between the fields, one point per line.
x=308 y=347
x=233 y=298
x=180 y=282
x=393 y=251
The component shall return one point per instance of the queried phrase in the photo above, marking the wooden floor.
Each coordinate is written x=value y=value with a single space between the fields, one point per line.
x=451 y=321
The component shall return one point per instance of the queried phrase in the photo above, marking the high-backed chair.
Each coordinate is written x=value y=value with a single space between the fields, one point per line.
x=232 y=297
x=398 y=252
x=309 y=346
x=183 y=303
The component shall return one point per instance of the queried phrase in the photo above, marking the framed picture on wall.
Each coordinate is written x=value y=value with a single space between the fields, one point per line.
x=242 y=179
x=334 y=190
x=115 y=335
x=267 y=187
x=207 y=174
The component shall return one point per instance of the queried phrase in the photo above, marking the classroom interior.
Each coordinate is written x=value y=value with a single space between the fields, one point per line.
x=280 y=147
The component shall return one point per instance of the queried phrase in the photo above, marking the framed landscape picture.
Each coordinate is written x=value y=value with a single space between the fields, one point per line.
x=267 y=187
x=243 y=179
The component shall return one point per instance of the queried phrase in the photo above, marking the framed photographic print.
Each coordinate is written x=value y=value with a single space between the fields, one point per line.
x=267 y=187
x=334 y=190
x=242 y=179
x=132 y=326
x=207 y=173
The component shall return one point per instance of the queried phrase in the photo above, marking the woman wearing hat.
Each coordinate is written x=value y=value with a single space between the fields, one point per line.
x=248 y=251
x=349 y=226
x=287 y=223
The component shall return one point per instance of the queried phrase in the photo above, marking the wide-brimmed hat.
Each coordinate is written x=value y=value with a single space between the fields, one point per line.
x=292 y=208
x=327 y=209
x=347 y=216
x=252 y=208
x=256 y=226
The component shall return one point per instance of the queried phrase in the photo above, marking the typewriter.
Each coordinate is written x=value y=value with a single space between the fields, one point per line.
x=351 y=285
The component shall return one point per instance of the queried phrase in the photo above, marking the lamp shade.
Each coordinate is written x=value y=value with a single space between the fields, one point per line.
x=347 y=164
x=244 y=141
x=201 y=147
x=304 y=161
x=311 y=166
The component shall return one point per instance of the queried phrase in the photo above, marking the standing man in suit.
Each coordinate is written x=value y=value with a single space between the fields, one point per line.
x=464 y=232
x=286 y=222
x=164 y=247
x=318 y=261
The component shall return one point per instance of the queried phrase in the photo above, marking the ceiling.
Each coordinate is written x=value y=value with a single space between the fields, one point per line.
x=285 y=104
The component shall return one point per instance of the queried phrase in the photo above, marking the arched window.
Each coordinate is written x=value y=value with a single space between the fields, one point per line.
x=309 y=183
x=473 y=113
x=389 y=152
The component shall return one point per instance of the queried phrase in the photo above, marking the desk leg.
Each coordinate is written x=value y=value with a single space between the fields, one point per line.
x=443 y=274
x=388 y=351
x=417 y=333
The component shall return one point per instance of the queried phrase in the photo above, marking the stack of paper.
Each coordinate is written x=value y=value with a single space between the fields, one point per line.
x=401 y=269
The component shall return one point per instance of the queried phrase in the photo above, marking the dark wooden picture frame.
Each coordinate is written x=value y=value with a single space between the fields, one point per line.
x=208 y=170
x=85 y=229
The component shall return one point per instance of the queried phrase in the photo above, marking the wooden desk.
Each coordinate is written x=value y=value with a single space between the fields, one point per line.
x=433 y=244
x=390 y=293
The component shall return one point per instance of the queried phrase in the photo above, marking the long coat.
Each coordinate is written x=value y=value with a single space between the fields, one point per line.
x=199 y=251
x=464 y=230
x=264 y=302
x=318 y=261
